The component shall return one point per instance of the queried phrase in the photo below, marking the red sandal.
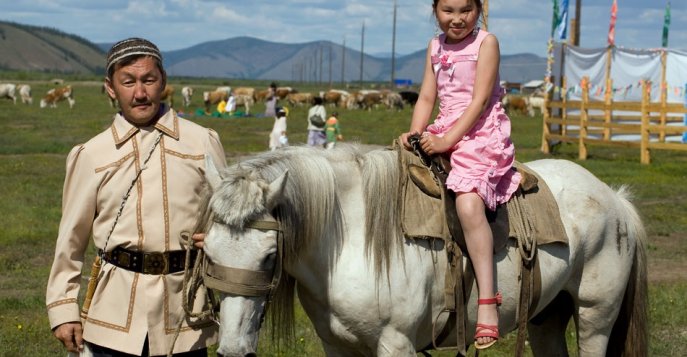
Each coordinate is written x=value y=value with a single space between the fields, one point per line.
x=484 y=330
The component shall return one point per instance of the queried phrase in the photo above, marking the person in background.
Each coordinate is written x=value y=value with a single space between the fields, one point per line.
x=231 y=104
x=461 y=69
x=271 y=101
x=333 y=130
x=317 y=115
x=278 y=136
x=136 y=189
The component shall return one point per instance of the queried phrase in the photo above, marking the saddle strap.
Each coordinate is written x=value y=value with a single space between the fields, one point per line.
x=530 y=290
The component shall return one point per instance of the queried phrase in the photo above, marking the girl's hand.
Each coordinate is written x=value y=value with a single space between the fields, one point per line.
x=432 y=144
x=403 y=139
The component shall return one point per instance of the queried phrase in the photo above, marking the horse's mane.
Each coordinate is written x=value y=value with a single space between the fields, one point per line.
x=310 y=207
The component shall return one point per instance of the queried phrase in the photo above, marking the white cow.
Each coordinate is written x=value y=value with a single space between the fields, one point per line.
x=186 y=94
x=25 y=94
x=7 y=90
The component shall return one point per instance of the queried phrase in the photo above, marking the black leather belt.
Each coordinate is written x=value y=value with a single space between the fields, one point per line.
x=147 y=262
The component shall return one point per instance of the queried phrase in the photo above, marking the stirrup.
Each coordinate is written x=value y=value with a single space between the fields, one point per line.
x=483 y=330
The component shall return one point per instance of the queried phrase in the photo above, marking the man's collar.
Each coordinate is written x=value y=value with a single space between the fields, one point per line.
x=122 y=129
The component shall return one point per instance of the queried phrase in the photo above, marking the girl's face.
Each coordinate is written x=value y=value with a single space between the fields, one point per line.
x=456 y=18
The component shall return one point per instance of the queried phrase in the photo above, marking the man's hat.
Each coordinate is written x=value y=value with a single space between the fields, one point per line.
x=131 y=47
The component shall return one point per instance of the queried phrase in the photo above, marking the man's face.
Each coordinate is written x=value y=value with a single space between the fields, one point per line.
x=138 y=87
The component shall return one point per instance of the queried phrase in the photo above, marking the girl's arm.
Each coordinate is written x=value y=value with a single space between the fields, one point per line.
x=425 y=102
x=485 y=77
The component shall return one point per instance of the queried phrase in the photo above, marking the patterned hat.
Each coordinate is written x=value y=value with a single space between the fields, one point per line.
x=131 y=47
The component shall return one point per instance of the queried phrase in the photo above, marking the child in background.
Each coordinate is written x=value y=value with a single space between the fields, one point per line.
x=278 y=136
x=333 y=130
x=461 y=69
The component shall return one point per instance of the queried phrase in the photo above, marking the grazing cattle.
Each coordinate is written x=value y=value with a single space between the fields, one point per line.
x=261 y=95
x=8 y=90
x=248 y=91
x=409 y=97
x=226 y=89
x=282 y=92
x=336 y=97
x=212 y=98
x=514 y=104
x=57 y=95
x=168 y=94
x=186 y=94
x=299 y=99
x=112 y=100
x=392 y=100
x=25 y=94
x=370 y=100
x=246 y=101
x=533 y=102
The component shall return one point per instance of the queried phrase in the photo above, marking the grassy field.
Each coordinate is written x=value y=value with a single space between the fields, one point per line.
x=34 y=143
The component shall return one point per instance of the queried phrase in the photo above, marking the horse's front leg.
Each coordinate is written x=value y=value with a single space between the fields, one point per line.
x=394 y=343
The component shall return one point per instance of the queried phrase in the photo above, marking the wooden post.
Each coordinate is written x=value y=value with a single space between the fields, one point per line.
x=608 y=95
x=664 y=97
x=485 y=14
x=644 y=154
x=546 y=116
x=584 y=118
x=564 y=104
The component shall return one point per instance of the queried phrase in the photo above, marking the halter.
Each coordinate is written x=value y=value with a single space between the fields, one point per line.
x=245 y=282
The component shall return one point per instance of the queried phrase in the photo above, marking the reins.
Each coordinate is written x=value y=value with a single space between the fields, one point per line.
x=226 y=279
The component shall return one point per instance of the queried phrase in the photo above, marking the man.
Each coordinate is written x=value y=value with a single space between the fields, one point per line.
x=158 y=158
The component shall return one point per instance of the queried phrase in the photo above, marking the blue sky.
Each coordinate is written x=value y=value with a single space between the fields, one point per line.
x=520 y=25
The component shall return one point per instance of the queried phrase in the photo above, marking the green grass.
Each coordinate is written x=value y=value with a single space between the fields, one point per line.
x=34 y=143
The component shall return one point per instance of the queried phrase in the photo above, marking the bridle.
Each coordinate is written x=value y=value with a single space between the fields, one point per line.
x=245 y=282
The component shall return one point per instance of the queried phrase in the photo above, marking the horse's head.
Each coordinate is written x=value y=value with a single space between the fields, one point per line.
x=244 y=248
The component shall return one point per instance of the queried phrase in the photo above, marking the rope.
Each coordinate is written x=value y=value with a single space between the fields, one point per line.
x=193 y=279
x=128 y=192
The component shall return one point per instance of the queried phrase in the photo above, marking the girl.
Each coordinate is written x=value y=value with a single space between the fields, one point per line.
x=462 y=70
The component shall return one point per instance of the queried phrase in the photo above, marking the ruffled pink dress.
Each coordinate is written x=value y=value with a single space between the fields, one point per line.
x=482 y=161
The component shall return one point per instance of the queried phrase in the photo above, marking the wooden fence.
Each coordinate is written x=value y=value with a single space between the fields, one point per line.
x=650 y=122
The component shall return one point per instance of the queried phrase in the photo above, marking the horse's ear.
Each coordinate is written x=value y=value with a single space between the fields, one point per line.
x=276 y=190
x=211 y=173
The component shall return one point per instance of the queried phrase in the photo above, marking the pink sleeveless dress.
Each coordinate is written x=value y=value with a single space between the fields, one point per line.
x=482 y=161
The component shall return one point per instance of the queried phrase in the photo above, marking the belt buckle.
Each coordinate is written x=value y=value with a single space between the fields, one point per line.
x=155 y=263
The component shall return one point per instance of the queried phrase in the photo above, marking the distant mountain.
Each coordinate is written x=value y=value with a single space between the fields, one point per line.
x=31 y=48
x=43 y=49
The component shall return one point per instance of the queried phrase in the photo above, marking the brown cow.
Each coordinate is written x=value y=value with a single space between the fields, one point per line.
x=299 y=99
x=514 y=104
x=58 y=94
x=336 y=97
x=212 y=98
x=282 y=92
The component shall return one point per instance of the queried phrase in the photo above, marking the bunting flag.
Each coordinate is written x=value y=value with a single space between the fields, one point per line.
x=666 y=25
x=556 y=17
x=611 y=27
x=561 y=30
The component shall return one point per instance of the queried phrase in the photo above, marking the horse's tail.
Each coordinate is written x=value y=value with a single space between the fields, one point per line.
x=630 y=332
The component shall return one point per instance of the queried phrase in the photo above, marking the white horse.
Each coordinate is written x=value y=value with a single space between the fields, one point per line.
x=370 y=292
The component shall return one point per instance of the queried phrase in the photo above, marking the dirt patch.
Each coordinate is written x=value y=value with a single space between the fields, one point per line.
x=666 y=262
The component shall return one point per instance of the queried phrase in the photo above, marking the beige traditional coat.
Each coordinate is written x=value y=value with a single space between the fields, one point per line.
x=164 y=202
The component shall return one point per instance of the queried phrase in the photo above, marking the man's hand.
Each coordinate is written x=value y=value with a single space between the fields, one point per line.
x=198 y=240
x=71 y=335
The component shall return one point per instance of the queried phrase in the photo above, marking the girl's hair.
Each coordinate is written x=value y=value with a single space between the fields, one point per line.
x=478 y=4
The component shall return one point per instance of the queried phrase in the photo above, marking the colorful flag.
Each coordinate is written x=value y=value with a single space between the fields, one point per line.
x=666 y=25
x=611 y=27
x=561 y=31
x=556 y=17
